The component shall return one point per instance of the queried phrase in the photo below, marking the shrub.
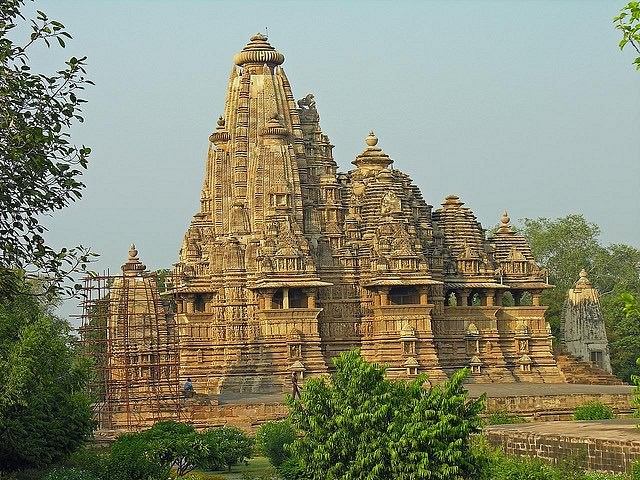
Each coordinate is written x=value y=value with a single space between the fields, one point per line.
x=635 y=470
x=503 y=417
x=593 y=411
x=514 y=468
x=70 y=474
x=271 y=439
x=89 y=460
x=130 y=459
x=225 y=447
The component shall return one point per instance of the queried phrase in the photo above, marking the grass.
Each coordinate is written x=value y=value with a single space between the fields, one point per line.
x=257 y=468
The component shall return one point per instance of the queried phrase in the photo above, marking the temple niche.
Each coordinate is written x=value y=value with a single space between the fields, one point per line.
x=289 y=262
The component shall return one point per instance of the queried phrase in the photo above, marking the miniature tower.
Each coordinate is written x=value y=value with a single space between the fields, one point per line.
x=582 y=324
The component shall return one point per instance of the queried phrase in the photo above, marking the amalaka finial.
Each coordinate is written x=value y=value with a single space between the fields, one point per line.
x=220 y=121
x=258 y=52
x=584 y=280
x=258 y=36
x=372 y=158
x=504 y=223
x=133 y=266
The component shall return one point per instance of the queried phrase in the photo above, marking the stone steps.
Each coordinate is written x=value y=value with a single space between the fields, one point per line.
x=578 y=372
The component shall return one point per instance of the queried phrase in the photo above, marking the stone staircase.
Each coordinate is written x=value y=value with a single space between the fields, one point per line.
x=579 y=372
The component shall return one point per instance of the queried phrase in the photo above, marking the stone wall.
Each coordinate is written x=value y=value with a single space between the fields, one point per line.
x=607 y=446
x=556 y=407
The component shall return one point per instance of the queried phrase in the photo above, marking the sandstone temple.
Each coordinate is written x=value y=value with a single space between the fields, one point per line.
x=290 y=262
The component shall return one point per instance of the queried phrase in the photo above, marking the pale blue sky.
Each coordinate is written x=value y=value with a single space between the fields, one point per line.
x=528 y=106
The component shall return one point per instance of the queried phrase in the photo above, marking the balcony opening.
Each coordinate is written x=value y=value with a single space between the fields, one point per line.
x=404 y=296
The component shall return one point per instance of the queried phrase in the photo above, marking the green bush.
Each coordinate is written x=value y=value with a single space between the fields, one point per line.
x=514 y=468
x=635 y=470
x=70 y=474
x=502 y=417
x=593 y=411
x=130 y=459
x=88 y=459
x=271 y=439
x=225 y=447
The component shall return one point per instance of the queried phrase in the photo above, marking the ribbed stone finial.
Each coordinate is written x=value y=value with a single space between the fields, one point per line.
x=220 y=135
x=371 y=139
x=133 y=253
x=505 y=218
x=258 y=52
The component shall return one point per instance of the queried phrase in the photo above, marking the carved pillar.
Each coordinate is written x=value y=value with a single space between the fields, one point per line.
x=464 y=298
x=424 y=298
x=268 y=299
x=499 y=297
x=535 y=298
x=190 y=304
x=311 y=298
x=489 y=297
x=384 y=296
x=285 y=298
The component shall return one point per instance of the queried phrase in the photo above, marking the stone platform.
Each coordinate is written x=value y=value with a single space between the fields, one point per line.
x=536 y=402
x=550 y=401
x=606 y=445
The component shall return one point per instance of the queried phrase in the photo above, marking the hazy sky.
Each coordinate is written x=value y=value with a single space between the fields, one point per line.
x=528 y=106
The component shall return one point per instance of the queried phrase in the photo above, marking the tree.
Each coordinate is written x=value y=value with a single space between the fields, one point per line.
x=272 y=439
x=176 y=444
x=566 y=245
x=39 y=165
x=130 y=459
x=226 y=446
x=628 y=22
x=360 y=425
x=152 y=453
x=44 y=414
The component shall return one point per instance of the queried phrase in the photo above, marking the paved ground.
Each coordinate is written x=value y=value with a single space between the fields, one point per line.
x=475 y=390
x=619 y=429
x=542 y=389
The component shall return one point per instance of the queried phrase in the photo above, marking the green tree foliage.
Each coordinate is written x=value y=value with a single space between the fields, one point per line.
x=152 y=453
x=566 y=245
x=226 y=447
x=44 y=414
x=272 y=438
x=628 y=22
x=360 y=425
x=176 y=444
x=131 y=458
x=39 y=165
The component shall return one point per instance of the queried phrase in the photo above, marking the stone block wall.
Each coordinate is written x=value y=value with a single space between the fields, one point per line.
x=604 y=450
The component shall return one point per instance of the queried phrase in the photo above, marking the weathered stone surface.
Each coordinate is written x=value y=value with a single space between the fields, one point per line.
x=608 y=446
x=289 y=262
x=582 y=324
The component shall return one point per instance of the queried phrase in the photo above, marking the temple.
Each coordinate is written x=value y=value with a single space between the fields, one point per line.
x=289 y=262
x=582 y=325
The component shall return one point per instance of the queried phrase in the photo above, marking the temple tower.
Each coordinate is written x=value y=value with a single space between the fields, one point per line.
x=582 y=324
x=289 y=262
